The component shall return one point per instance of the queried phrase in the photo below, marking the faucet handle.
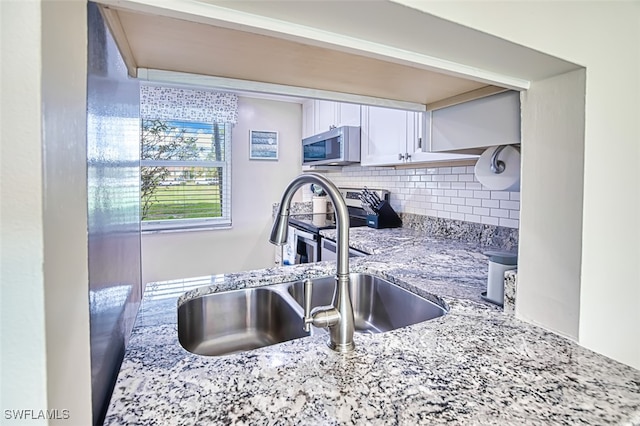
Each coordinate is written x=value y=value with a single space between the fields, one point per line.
x=308 y=319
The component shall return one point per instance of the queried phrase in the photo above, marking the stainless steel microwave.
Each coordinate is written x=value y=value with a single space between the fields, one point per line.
x=337 y=147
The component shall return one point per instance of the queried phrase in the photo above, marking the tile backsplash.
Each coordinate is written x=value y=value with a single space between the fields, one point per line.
x=445 y=192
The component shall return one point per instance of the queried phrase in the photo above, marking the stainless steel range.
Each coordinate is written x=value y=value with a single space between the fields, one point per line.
x=305 y=245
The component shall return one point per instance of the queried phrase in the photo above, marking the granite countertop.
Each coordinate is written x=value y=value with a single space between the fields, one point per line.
x=475 y=365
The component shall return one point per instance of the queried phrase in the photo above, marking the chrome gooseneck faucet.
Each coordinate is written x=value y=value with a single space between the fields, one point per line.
x=339 y=316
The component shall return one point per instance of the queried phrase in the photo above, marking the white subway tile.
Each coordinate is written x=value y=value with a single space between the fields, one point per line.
x=500 y=213
x=431 y=212
x=457 y=216
x=414 y=178
x=431 y=184
x=457 y=201
x=481 y=194
x=444 y=170
x=450 y=208
x=511 y=205
x=437 y=178
x=444 y=200
x=482 y=211
x=438 y=192
x=515 y=196
x=474 y=185
x=473 y=202
x=436 y=206
x=510 y=223
x=490 y=220
x=465 y=178
x=465 y=193
x=451 y=178
x=465 y=209
x=514 y=214
x=421 y=185
x=472 y=218
x=451 y=193
x=458 y=185
x=432 y=171
x=444 y=185
x=491 y=203
x=499 y=195
x=425 y=178
x=458 y=170
x=471 y=169
x=421 y=171
x=431 y=198
x=446 y=215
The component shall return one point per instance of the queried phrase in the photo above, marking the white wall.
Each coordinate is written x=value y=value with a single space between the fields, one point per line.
x=64 y=96
x=256 y=185
x=551 y=235
x=446 y=192
x=604 y=37
x=23 y=365
x=45 y=312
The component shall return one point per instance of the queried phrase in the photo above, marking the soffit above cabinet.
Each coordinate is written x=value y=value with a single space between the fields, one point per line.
x=208 y=39
x=164 y=43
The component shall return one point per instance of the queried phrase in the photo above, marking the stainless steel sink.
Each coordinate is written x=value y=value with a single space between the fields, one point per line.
x=238 y=320
x=378 y=305
x=241 y=320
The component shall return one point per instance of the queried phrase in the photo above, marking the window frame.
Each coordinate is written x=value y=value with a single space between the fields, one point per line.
x=193 y=224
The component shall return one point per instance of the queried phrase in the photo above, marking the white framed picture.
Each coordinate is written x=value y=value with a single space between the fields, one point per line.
x=263 y=145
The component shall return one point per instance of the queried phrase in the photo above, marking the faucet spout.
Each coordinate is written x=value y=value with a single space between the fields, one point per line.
x=342 y=326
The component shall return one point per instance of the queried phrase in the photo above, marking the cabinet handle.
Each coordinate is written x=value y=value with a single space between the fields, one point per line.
x=400 y=156
x=407 y=156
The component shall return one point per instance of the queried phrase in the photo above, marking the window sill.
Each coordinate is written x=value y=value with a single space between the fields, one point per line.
x=185 y=229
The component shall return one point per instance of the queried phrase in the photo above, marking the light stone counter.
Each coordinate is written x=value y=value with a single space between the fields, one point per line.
x=475 y=365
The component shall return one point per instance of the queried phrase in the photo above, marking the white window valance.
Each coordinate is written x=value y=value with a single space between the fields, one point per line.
x=175 y=103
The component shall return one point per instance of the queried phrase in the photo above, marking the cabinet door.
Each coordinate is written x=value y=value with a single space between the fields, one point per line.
x=308 y=119
x=494 y=120
x=384 y=136
x=326 y=115
x=419 y=145
x=348 y=115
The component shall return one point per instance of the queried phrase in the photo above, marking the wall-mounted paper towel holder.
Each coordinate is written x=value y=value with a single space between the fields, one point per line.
x=498 y=168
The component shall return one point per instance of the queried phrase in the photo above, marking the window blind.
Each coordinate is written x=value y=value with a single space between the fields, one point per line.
x=185 y=174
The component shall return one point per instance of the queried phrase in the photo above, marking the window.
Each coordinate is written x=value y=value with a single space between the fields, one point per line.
x=185 y=174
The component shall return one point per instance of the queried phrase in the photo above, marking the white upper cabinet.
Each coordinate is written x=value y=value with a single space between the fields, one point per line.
x=394 y=137
x=385 y=134
x=484 y=122
x=308 y=119
x=321 y=116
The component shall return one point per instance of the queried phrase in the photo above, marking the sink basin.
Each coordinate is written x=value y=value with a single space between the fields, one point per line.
x=378 y=305
x=239 y=320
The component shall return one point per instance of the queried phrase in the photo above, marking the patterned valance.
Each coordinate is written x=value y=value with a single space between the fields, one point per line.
x=174 y=103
